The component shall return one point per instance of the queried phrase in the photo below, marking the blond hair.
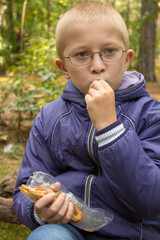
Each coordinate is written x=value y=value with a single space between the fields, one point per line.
x=88 y=12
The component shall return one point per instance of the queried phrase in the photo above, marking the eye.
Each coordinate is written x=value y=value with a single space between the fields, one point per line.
x=82 y=54
x=109 y=51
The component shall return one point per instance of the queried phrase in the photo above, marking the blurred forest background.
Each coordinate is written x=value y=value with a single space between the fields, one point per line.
x=29 y=78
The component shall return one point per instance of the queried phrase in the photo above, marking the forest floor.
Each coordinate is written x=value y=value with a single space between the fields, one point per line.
x=154 y=89
x=11 y=161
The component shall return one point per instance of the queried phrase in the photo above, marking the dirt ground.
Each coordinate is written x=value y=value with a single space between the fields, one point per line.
x=154 y=89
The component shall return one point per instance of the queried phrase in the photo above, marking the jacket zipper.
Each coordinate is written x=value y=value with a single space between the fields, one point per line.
x=90 y=149
x=90 y=177
x=88 y=190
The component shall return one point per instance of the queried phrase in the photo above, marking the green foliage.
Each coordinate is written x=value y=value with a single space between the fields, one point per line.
x=131 y=12
x=145 y=18
x=9 y=162
x=32 y=99
x=13 y=231
x=3 y=137
x=39 y=55
x=16 y=152
x=25 y=103
x=52 y=90
x=32 y=81
x=28 y=89
x=12 y=160
x=4 y=92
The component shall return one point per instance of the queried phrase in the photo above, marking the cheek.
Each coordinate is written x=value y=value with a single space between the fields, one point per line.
x=79 y=80
x=117 y=76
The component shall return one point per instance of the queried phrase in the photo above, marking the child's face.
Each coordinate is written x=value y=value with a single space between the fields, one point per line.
x=94 y=37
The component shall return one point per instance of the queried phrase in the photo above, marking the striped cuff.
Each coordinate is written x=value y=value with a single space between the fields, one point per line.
x=38 y=220
x=109 y=134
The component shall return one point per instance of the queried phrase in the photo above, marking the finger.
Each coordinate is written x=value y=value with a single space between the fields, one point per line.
x=56 y=186
x=56 y=206
x=104 y=87
x=95 y=85
x=88 y=98
x=62 y=211
x=59 y=217
x=68 y=215
x=105 y=84
x=100 y=84
x=93 y=92
x=44 y=201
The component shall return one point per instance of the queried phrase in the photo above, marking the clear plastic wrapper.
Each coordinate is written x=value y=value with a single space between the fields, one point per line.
x=93 y=218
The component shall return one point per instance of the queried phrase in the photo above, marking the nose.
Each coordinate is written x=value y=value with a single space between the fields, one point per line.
x=97 y=65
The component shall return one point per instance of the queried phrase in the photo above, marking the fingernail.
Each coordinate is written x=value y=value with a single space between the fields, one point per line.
x=63 y=194
x=52 y=195
x=68 y=198
x=70 y=204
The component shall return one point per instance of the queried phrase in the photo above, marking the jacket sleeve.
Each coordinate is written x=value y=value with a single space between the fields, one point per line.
x=130 y=164
x=37 y=157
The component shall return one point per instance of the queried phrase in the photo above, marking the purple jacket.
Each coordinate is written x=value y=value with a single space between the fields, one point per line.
x=119 y=173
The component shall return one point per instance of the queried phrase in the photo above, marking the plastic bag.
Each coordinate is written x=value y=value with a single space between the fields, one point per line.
x=93 y=218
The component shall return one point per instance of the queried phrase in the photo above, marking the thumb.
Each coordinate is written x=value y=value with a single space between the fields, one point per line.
x=56 y=186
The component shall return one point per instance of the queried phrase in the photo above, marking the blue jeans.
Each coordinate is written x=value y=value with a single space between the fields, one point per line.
x=64 y=232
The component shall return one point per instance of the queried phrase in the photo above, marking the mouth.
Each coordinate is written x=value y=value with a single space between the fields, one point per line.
x=97 y=78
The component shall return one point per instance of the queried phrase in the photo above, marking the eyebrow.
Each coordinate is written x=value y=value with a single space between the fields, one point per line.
x=88 y=48
x=110 y=43
x=79 y=48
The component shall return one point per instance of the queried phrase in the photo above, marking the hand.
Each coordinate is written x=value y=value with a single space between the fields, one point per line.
x=59 y=212
x=100 y=101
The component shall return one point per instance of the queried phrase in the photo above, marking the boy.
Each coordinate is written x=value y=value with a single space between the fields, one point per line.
x=101 y=139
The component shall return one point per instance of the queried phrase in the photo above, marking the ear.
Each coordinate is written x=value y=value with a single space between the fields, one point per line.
x=60 y=64
x=128 y=59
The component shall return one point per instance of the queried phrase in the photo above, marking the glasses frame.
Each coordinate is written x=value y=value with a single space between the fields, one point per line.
x=101 y=55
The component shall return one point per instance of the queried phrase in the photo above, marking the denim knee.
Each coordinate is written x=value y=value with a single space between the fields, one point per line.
x=55 y=232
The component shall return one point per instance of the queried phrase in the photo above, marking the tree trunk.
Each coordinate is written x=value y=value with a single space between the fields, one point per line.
x=48 y=7
x=146 y=62
x=7 y=213
x=7 y=185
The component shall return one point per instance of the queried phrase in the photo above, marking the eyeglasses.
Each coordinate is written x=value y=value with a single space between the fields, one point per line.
x=108 y=54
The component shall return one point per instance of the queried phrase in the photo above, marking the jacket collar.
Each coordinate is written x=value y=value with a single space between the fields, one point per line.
x=132 y=87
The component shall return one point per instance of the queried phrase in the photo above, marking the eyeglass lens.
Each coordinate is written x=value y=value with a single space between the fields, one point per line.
x=109 y=54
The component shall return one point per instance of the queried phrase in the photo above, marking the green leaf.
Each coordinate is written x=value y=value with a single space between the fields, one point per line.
x=4 y=137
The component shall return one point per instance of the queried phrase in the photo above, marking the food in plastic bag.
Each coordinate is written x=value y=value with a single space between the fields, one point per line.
x=84 y=217
x=40 y=191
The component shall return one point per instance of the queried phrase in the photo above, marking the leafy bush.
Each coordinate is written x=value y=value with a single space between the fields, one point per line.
x=32 y=81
